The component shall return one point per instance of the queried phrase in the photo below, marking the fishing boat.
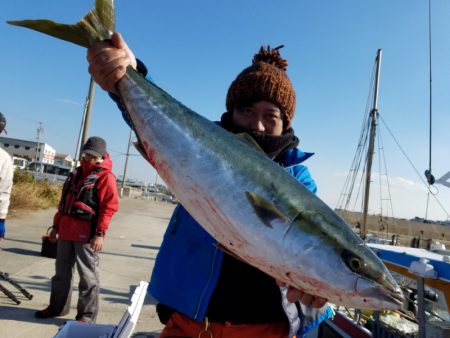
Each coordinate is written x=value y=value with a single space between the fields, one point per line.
x=425 y=277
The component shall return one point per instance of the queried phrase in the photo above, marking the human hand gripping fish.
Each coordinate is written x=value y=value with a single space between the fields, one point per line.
x=108 y=61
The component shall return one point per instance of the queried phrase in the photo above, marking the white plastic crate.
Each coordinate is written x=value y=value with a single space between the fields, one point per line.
x=124 y=328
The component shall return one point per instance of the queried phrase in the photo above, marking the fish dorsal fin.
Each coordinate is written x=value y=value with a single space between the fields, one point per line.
x=267 y=211
x=97 y=25
x=246 y=138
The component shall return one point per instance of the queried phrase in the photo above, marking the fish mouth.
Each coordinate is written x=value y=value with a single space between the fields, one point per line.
x=398 y=297
x=380 y=297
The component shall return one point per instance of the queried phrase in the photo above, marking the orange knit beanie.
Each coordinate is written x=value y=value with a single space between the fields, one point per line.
x=264 y=80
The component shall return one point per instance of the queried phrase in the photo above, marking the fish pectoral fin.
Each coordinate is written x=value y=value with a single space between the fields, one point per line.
x=266 y=210
x=228 y=252
x=247 y=139
x=140 y=149
x=97 y=25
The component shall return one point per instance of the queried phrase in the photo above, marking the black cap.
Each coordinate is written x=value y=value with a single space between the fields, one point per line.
x=2 y=123
x=95 y=146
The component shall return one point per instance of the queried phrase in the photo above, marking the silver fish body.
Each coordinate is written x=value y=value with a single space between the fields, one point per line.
x=251 y=205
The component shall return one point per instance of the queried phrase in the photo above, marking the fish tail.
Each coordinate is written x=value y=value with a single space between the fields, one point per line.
x=97 y=25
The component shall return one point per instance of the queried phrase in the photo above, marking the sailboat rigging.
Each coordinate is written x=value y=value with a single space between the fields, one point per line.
x=364 y=158
x=361 y=168
x=422 y=271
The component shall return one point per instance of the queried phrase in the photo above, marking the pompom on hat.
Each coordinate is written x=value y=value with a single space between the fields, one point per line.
x=264 y=80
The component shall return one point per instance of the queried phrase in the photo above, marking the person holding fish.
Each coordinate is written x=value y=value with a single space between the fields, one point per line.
x=203 y=291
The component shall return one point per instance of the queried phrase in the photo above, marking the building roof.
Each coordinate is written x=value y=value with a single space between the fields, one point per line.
x=9 y=139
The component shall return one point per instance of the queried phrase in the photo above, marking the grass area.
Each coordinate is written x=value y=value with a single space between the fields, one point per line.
x=29 y=194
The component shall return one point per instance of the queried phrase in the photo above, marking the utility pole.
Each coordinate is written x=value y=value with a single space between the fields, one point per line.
x=85 y=121
x=39 y=130
x=126 y=163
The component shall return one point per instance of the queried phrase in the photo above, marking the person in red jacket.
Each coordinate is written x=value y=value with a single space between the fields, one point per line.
x=88 y=203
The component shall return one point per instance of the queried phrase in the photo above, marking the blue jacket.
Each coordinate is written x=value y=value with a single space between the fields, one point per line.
x=188 y=263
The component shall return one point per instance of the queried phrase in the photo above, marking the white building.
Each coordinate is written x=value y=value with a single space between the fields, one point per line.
x=29 y=150
x=64 y=160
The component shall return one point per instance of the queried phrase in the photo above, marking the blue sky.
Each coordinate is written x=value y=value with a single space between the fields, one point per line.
x=194 y=49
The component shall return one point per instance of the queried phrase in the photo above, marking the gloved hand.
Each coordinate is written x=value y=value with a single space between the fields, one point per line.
x=2 y=228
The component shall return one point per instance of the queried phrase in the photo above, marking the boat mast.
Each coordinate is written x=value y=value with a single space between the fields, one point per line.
x=373 y=126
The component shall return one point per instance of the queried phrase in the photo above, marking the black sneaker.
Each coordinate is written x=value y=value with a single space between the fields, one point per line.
x=46 y=313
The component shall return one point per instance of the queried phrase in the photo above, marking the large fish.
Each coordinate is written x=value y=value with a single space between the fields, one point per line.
x=249 y=204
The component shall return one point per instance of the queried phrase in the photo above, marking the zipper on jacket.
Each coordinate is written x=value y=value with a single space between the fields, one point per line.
x=72 y=198
x=207 y=284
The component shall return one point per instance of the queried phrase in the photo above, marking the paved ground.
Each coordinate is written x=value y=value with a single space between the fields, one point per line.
x=128 y=257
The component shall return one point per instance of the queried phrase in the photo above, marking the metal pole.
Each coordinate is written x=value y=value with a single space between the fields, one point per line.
x=77 y=150
x=373 y=127
x=87 y=116
x=431 y=94
x=377 y=328
x=421 y=306
x=126 y=163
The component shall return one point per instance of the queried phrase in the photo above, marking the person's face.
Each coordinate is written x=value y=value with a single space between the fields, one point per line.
x=261 y=116
x=88 y=158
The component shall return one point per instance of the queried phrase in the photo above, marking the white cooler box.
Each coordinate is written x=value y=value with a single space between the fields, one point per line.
x=72 y=328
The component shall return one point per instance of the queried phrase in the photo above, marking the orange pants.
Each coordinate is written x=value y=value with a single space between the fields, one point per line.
x=180 y=326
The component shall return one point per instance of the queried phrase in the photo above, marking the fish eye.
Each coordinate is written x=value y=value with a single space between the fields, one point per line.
x=353 y=262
